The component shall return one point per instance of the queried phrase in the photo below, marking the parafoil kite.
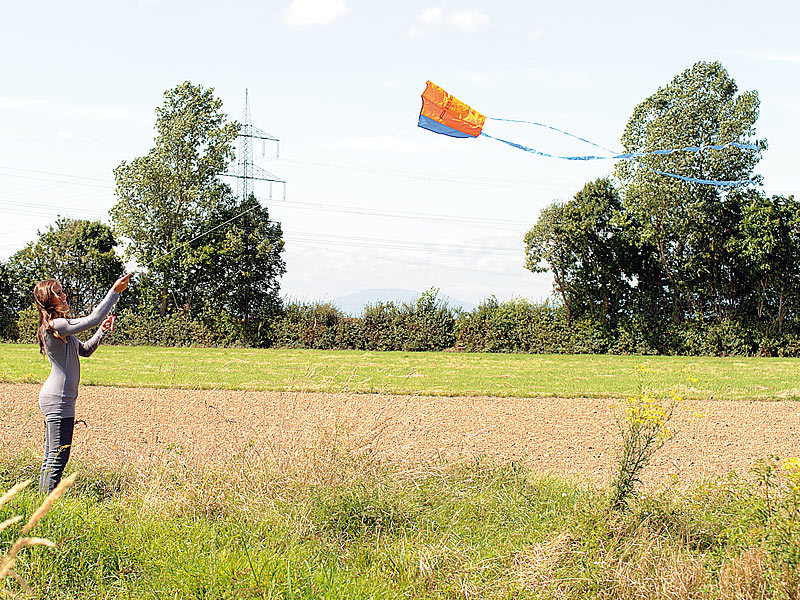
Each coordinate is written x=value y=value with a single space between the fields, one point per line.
x=445 y=114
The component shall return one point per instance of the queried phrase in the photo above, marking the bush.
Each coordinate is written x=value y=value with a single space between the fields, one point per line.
x=308 y=325
x=425 y=325
x=522 y=326
x=429 y=324
x=714 y=338
x=8 y=324
x=27 y=325
x=132 y=329
x=381 y=327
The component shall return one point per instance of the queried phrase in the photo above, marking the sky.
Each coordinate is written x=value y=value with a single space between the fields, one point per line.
x=371 y=200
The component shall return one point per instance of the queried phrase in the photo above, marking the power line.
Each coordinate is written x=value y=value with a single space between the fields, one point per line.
x=318 y=206
x=368 y=242
x=441 y=177
x=52 y=173
x=412 y=245
x=490 y=182
x=48 y=207
x=404 y=260
x=42 y=213
x=19 y=207
x=397 y=213
x=110 y=187
x=438 y=177
x=247 y=171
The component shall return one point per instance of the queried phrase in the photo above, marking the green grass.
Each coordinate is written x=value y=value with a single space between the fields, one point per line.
x=426 y=373
x=377 y=537
x=472 y=531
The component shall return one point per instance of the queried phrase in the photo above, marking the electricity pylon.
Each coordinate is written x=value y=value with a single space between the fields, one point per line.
x=246 y=170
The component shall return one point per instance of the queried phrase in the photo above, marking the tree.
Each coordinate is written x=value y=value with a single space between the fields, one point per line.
x=689 y=225
x=585 y=245
x=79 y=253
x=549 y=241
x=7 y=314
x=770 y=245
x=240 y=262
x=167 y=196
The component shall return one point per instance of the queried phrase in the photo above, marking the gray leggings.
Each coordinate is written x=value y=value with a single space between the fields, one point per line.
x=57 y=443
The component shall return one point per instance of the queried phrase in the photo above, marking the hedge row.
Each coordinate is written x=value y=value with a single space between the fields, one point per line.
x=515 y=326
x=430 y=325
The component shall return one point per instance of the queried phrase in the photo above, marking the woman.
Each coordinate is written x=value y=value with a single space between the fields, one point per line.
x=58 y=342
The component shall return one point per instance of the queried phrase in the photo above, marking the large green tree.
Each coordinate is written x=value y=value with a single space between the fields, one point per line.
x=691 y=225
x=166 y=197
x=79 y=253
x=585 y=244
x=245 y=276
x=236 y=264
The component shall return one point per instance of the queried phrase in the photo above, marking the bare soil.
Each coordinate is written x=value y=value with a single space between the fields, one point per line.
x=576 y=437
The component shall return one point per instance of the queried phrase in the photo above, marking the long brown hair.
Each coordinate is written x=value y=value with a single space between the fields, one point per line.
x=50 y=308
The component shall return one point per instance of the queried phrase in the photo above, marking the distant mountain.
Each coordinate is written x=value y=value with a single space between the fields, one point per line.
x=354 y=303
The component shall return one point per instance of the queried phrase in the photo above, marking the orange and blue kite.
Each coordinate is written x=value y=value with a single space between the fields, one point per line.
x=445 y=114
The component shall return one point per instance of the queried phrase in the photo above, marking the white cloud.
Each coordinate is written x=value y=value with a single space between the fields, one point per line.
x=469 y=21
x=45 y=108
x=771 y=56
x=535 y=33
x=777 y=57
x=475 y=77
x=431 y=16
x=103 y=113
x=14 y=103
x=463 y=21
x=315 y=12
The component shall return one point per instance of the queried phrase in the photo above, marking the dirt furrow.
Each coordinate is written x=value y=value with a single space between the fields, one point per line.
x=575 y=436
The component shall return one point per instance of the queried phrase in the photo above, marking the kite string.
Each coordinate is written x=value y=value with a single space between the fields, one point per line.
x=567 y=133
x=197 y=237
x=619 y=155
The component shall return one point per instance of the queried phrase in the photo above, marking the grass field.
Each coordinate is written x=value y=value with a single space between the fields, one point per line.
x=417 y=373
x=339 y=521
x=363 y=532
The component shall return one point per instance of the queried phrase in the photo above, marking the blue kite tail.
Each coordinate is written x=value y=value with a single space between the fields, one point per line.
x=635 y=155
x=734 y=183
x=572 y=135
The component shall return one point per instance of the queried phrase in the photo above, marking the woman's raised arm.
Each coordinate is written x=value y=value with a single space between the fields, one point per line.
x=66 y=327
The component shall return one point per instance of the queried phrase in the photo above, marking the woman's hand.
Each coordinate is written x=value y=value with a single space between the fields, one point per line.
x=121 y=284
x=108 y=324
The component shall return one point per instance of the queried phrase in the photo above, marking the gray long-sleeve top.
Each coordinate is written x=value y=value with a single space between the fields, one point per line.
x=60 y=390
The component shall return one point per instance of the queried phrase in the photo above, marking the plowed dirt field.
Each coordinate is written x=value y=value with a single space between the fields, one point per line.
x=575 y=437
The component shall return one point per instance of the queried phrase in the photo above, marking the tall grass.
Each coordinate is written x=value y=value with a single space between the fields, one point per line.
x=23 y=540
x=340 y=524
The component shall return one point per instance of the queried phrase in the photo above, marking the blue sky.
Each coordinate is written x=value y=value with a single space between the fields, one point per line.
x=372 y=201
